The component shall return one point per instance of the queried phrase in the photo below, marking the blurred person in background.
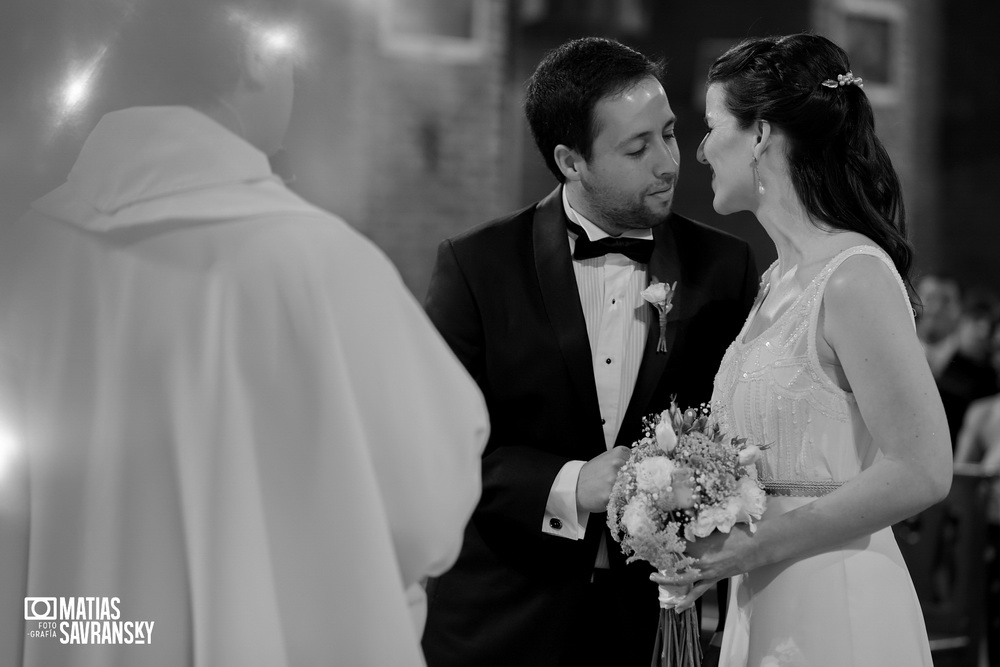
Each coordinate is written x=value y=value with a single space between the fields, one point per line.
x=225 y=415
x=965 y=373
x=978 y=452
x=940 y=307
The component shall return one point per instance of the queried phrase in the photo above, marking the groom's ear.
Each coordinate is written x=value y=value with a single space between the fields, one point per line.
x=569 y=162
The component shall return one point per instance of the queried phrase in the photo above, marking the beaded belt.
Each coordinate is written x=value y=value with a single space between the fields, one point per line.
x=784 y=487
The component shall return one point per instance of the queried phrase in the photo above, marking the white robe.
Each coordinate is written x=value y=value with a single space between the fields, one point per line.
x=234 y=416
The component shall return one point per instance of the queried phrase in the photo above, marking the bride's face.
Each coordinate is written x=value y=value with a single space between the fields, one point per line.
x=728 y=151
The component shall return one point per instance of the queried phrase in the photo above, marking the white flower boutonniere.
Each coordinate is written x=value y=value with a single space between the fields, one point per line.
x=660 y=295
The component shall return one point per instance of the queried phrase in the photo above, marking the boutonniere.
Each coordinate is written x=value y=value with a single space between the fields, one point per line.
x=660 y=295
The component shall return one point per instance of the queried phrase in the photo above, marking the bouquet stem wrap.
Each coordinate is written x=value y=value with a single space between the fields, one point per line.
x=678 y=637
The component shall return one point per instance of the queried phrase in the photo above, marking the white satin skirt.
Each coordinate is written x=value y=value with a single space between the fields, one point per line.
x=854 y=606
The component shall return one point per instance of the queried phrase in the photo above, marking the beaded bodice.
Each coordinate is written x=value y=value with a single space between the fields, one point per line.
x=773 y=391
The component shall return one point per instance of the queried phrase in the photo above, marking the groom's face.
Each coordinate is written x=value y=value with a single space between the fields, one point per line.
x=629 y=180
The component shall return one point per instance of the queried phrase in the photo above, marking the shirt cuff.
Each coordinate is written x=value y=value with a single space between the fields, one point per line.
x=562 y=518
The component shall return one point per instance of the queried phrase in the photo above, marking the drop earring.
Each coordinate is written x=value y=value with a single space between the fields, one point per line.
x=756 y=176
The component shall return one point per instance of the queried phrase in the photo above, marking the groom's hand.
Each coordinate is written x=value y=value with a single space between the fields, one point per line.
x=597 y=477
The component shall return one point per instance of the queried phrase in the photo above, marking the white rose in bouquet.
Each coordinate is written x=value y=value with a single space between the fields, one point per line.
x=753 y=500
x=636 y=519
x=666 y=439
x=655 y=474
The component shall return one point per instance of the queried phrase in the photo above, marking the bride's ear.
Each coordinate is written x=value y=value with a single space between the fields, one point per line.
x=763 y=138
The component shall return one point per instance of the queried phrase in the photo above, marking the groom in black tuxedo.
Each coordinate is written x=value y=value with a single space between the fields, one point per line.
x=544 y=309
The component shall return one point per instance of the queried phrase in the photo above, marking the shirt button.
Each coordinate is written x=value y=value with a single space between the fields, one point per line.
x=555 y=524
x=613 y=301
x=608 y=360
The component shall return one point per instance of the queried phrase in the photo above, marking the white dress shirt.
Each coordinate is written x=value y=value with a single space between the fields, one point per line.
x=617 y=322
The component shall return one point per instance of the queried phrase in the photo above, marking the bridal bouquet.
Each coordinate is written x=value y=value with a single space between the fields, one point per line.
x=684 y=479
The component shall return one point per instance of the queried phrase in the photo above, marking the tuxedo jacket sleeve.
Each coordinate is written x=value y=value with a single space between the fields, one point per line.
x=476 y=319
x=505 y=298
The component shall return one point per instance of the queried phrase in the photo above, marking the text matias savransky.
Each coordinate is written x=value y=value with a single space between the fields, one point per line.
x=84 y=620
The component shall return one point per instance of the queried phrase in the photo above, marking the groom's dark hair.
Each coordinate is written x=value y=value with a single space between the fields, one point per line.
x=567 y=85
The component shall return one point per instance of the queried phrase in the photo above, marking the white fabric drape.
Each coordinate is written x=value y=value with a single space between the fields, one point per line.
x=234 y=416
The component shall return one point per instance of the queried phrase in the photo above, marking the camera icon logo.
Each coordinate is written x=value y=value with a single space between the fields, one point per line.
x=40 y=609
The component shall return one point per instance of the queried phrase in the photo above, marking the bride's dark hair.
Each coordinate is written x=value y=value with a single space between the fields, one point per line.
x=839 y=168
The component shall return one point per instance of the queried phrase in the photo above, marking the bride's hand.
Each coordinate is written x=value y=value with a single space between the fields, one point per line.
x=718 y=556
x=698 y=588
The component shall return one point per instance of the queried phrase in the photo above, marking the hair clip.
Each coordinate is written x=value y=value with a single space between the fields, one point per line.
x=845 y=80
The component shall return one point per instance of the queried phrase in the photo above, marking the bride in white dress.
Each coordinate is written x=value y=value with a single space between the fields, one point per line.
x=827 y=372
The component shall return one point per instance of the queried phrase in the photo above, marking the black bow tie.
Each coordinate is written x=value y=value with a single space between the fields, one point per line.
x=638 y=250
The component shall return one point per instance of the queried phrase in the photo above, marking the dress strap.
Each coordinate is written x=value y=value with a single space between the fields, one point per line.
x=819 y=285
x=873 y=251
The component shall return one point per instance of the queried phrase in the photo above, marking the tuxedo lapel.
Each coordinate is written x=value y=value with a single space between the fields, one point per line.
x=664 y=266
x=561 y=296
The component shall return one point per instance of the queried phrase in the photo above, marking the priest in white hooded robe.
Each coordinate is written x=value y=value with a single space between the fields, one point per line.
x=222 y=414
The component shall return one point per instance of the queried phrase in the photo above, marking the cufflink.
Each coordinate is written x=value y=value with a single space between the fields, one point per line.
x=555 y=524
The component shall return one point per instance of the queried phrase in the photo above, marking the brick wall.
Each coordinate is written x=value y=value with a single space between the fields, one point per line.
x=907 y=108
x=969 y=144
x=434 y=138
x=402 y=141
